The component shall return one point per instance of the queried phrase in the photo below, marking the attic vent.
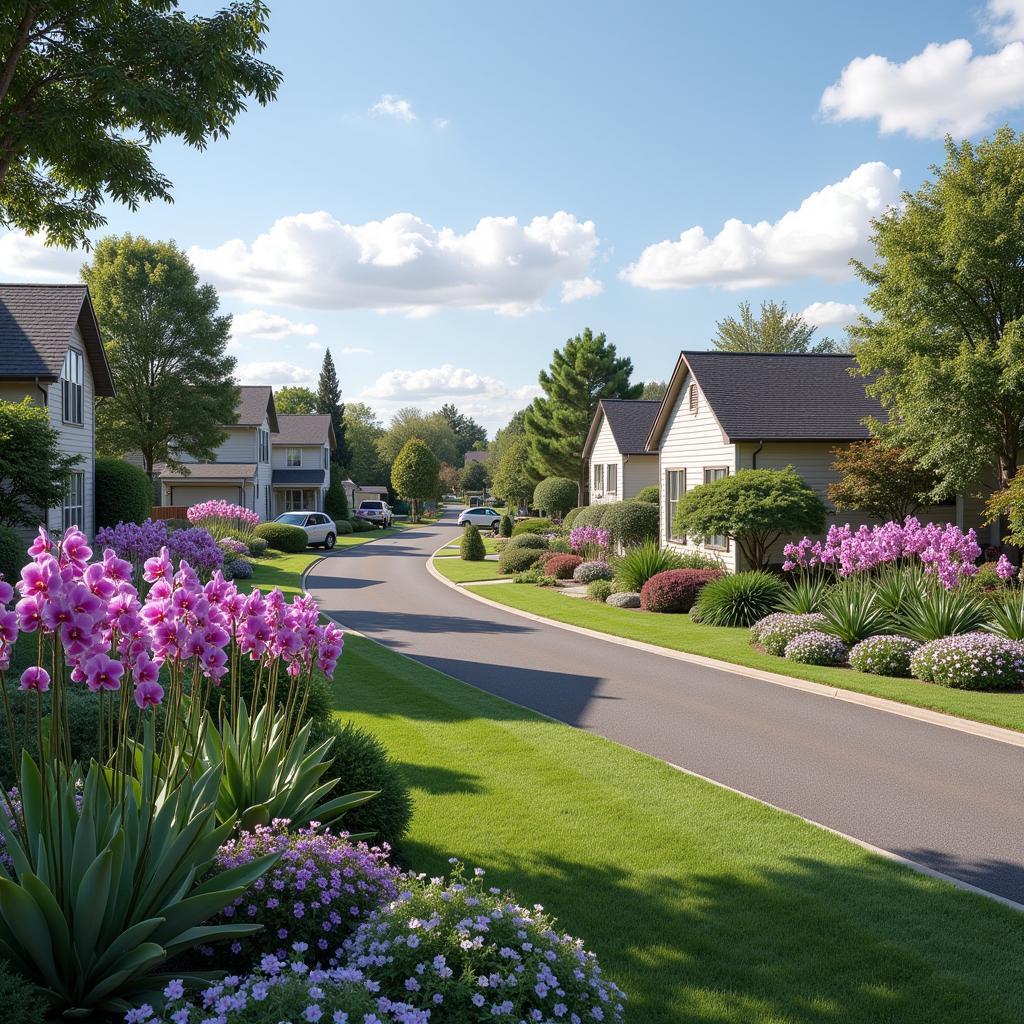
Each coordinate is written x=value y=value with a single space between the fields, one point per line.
x=693 y=398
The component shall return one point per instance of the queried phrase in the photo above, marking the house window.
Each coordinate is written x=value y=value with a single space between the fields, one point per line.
x=293 y=501
x=72 y=382
x=613 y=479
x=294 y=457
x=693 y=398
x=718 y=542
x=73 y=513
x=263 y=439
x=598 y=485
x=326 y=456
x=675 y=488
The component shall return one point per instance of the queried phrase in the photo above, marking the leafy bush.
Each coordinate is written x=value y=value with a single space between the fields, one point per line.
x=624 y=599
x=816 y=648
x=21 y=1003
x=590 y=515
x=12 y=555
x=258 y=546
x=971 y=661
x=238 y=569
x=632 y=522
x=471 y=547
x=589 y=572
x=532 y=526
x=649 y=493
x=884 y=655
x=639 y=564
x=343 y=526
x=528 y=540
x=739 y=600
x=556 y=495
x=1006 y=614
x=775 y=631
x=599 y=590
x=561 y=567
x=124 y=493
x=675 y=590
x=934 y=612
x=569 y=520
x=280 y=537
x=477 y=935
x=505 y=526
x=560 y=545
x=805 y=595
x=336 y=500
x=362 y=526
x=513 y=560
x=852 y=611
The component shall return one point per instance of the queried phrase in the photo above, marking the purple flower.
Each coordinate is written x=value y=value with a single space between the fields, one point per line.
x=35 y=678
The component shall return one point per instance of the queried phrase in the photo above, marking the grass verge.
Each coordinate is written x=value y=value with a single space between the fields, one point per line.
x=678 y=633
x=458 y=571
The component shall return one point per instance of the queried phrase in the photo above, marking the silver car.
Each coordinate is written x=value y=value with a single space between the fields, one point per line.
x=485 y=518
x=320 y=529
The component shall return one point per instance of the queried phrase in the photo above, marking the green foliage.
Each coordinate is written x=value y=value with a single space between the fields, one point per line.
x=124 y=493
x=817 y=648
x=649 y=493
x=591 y=515
x=739 y=600
x=853 y=612
x=336 y=500
x=473 y=477
x=281 y=537
x=513 y=479
x=469 y=435
x=881 y=480
x=884 y=656
x=471 y=547
x=431 y=428
x=639 y=564
x=555 y=495
x=90 y=89
x=631 y=522
x=505 y=526
x=33 y=469
x=328 y=403
x=585 y=370
x=805 y=595
x=515 y=560
x=167 y=348
x=528 y=540
x=21 y=1003
x=774 y=330
x=571 y=516
x=599 y=590
x=344 y=527
x=654 y=391
x=295 y=400
x=1009 y=503
x=1006 y=615
x=753 y=507
x=540 y=525
x=414 y=474
x=258 y=545
x=363 y=432
x=775 y=631
x=930 y=613
x=12 y=555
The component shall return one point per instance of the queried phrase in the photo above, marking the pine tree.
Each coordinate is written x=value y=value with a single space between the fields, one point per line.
x=583 y=372
x=328 y=401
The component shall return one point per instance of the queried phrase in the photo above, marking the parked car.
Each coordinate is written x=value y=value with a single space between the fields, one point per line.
x=485 y=518
x=377 y=512
x=320 y=529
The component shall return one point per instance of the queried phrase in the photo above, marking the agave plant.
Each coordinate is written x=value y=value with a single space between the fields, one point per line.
x=853 y=613
x=1006 y=615
x=934 y=612
x=806 y=595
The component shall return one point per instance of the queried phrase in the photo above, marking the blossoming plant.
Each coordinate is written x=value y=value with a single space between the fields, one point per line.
x=223 y=519
x=591 y=543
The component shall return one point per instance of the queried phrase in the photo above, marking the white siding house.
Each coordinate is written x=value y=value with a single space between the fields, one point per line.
x=301 y=463
x=619 y=464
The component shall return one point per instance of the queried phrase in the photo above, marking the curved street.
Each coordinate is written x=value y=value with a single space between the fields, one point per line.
x=942 y=798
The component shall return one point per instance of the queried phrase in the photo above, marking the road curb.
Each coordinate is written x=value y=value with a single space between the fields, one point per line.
x=924 y=715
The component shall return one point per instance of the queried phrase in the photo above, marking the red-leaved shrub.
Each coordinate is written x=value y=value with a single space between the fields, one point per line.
x=562 y=566
x=675 y=590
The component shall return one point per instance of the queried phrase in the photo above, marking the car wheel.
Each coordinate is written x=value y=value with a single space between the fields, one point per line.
x=329 y=541
x=495 y=524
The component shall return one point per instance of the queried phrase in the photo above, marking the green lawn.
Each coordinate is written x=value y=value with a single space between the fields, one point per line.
x=490 y=546
x=678 y=633
x=458 y=571
x=704 y=905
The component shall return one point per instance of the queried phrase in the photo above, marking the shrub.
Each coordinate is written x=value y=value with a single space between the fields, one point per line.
x=561 y=567
x=971 y=661
x=513 y=560
x=933 y=612
x=884 y=655
x=639 y=564
x=258 y=546
x=12 y=555
x=649 y=493
x=599 y=590
x=569 y=520
x=20 y=1001
x=816 y=648
x=124 y=493
x=279 y=537
x=527 y=540
x=336 y=500
x=238 y=569
x=1007 y=615
x=231 y=546
x=805 y=595
x=852 y=611
x=505 y=526
x=362 y=526
x=675 y=590
x=556 y=495
x=739 y=600
x=343 y=526
x=632 y=522
x=590 y=515
x=471 y=547
x=776 y=630
x=560 y=545
x=589 y=572
x=473 y=930
x=532 y=526
x=624 y=599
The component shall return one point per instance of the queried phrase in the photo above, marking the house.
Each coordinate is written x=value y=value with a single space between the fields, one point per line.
x=51 y=351
x=619 y=463
x=369 y=492
x=726 y=411
x=301 y=462
x=240 y=471
x=475 y=456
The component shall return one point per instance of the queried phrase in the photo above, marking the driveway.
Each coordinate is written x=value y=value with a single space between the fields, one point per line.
x=942 y=798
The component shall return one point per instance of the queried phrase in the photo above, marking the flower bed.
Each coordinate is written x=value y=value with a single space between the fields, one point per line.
x=816 y=648
x=971 y=661
x=775 y=631
x=884 y=655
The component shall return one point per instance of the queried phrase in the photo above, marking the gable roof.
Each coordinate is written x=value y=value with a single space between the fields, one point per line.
x=309 y=429
x=474 y=455
x=37 y=323
x=203 y=472
x=630 y=421
x=759 y=396
x=254 y=402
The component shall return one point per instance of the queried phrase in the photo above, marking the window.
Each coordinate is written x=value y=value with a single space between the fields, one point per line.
x=72 y=382
x=73 y=513
x=598 y=485
x=693 y=398
x=293 y=500
x=263 y=437
x=294 y=457
x=613 y=479
x=675 y=487
x=718 y=542
x=326 y=457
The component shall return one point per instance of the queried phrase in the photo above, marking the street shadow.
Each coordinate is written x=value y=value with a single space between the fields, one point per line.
x=992 y=874
x=370 y=620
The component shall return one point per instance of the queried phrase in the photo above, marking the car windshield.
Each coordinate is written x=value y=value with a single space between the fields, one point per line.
x=372 y=504
x=292 y=519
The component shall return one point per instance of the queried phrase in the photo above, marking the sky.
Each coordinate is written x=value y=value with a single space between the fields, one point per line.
x=442 y=194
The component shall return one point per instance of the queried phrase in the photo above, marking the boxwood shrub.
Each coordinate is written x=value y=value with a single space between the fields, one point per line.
x=555 y=495
x=540 y=525
x=561 y=567
x=649 y=493
x=505 y=526
x=527 y=540
x=675 y=590
x=280 y=537
x=631 y=522
x=471 y=547
x=516 y=560
x=569 y=521
x=344 y=527
x=124 y=493
x=599 y=590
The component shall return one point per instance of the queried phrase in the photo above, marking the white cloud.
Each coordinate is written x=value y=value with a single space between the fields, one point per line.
x=355 y=350
x=314 y=346
x=257 y=323
x=829 y=314
x=581 y=288
x=817 y=239
x=26 y=258
x=402 y=263
x=1004 y=20
x=274 y=373
x=393 y=106
x=441 y=122
x=944 y=89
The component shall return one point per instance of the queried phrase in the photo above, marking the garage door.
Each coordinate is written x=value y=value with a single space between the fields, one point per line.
x=190 y=494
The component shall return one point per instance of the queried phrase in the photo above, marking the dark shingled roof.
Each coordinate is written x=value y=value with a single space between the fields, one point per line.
x=289 y=477
x=630 y=421
x=254 y=402
x=313 y=429
x=784 y=397
x=201 y=472
x=37 y=322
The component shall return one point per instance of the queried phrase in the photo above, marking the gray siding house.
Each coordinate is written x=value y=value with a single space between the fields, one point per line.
x=301 y=462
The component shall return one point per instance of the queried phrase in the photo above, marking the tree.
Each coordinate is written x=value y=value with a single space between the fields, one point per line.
x=469 y=435
x=33 y=470
x=336 y=500
x=432 y=428
x=414 y=476
x=754 y=507
x=87 y=89
x=473 y=477
x=503 y=437
x=362 y=431
x=583 y=372
x=775 y=330
x=512 y=479
x=555 y=495
x=654 y=391
x=946 y=346
x=881 y=480
x=471 y=548
x=1008 y=504
x=124 y=494
x=449 y=477
x=328 y=403
x=167 y=347
x=294 y=400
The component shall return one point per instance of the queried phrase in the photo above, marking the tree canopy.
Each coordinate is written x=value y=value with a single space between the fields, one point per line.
x=88 y=88
x=167 y=347
x=414 y=475
x=881 y=480
x=295 y=400
x=328 y=403
x=555 y=495
x=774 y=329
x=654 y=390
x=469 y=435
x=474 y=477
x=363 y=431
x=511 y=478
x=431 y=428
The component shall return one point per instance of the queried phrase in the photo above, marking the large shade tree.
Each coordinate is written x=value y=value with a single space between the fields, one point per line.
x=431 y=428
x=88 y=87
x=415 y=474
x=879 y=479
x=295 y=400
x=167 y=346
x=773 y=329
x=511 y=478
x=469 y=435
x=362 y=431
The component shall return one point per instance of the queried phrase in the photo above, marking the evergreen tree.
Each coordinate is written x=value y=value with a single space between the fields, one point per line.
x=774 y=330
x=328 y=401
x=468 y=433
x=583 y=372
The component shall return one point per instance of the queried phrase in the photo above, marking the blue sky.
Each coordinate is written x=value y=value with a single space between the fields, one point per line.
x=603 y=129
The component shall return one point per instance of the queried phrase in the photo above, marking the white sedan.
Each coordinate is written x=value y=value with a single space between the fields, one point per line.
x=320 y=529
x=485 y=518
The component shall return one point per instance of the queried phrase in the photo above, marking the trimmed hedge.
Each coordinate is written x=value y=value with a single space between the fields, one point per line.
x=675 y=590
x=532 y=526
x=561 y=567
x=514 y=560
x=591 y=515
x=528 y=540
x=344 y=527
x=505 y=526
x=649 y=493
x=471 y=547
x=280 y=537
x=12 y=555
x=631 y=522
x=570 y=517
x=123 y=493
x=556 y=495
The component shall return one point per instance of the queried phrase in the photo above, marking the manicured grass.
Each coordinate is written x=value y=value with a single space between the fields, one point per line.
x=458 y=571
x=704 y=905
x=490 y=545
x=678 y=633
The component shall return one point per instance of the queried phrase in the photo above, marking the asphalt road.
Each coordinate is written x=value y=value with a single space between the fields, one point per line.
x=943 y=798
